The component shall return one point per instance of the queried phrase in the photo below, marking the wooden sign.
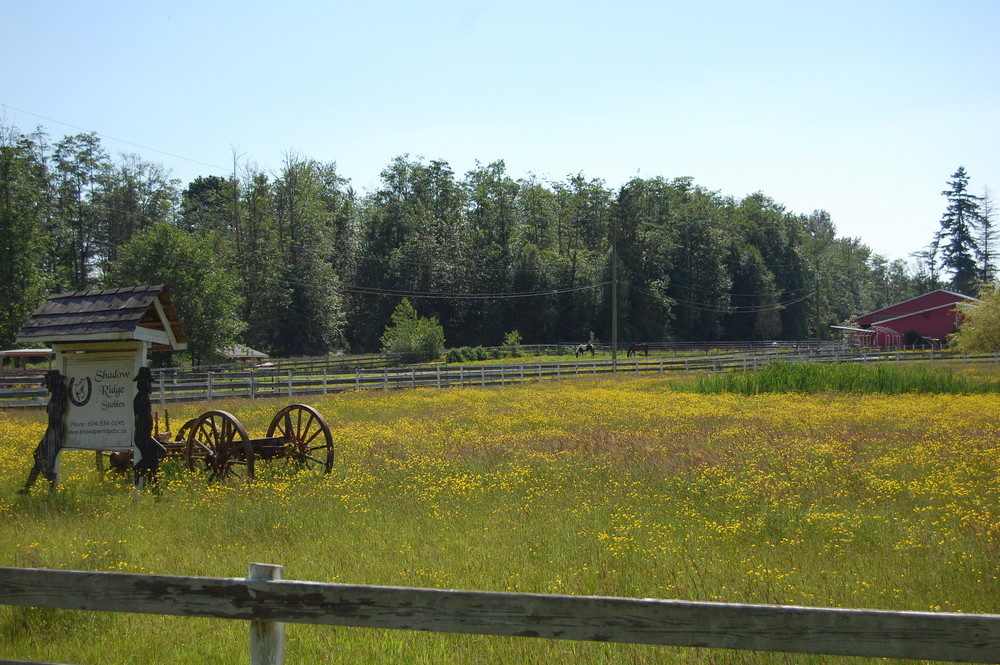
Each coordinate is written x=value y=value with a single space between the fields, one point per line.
x=100 y=390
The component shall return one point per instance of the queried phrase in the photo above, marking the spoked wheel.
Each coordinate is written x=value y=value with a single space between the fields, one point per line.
x=307 y=440
x=218 y=443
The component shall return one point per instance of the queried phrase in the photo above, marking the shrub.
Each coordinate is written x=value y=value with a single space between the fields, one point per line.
x=414 y=338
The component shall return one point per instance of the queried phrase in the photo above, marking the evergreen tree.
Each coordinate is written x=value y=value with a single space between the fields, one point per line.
x=956 y=239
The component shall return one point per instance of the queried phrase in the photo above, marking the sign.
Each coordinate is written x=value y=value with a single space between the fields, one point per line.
x=99 y=413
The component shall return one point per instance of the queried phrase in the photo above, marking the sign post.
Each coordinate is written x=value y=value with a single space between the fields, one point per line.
x=100 y=387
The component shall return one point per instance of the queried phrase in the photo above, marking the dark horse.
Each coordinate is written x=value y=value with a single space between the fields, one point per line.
x=583 y=348
x=634 y=349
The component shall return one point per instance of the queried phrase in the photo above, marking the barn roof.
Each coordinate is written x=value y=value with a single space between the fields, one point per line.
x=134 y=312
x=242 y=352
x=912 y=305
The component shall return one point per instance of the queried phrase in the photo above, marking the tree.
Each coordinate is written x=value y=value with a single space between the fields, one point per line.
x=987 y=238
x=22 y=213
x=81 y=162
x=414 y=338
x=208 y=205
x=956 y=238
x=204 y=291
x=412 y=237
x=979 y=331
x=308 y=315
x=133 y=195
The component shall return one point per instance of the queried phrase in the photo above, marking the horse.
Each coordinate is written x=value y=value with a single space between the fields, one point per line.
x=583 y=348
x=634 y=349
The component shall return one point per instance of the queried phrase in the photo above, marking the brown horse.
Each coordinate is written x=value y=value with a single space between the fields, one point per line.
x=634 y=349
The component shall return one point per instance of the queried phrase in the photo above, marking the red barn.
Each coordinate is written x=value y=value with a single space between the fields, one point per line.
x=926 y=319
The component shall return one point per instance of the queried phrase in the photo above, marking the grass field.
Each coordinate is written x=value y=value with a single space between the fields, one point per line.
x=621 y=487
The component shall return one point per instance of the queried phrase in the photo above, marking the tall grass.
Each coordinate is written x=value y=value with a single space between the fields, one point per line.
x=617 y=487
x=783 y=377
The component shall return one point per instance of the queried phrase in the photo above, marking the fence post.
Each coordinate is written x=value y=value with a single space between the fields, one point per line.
x=267 y=638
x=289 y=383
x=438 y=375
x=324 y=380
x=209 y=389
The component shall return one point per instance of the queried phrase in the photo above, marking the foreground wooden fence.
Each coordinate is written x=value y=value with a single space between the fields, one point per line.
x=174 y=385
x=269 y=602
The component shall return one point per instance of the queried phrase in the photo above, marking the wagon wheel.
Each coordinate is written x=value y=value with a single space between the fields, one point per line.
x=308 y=443
x=217 y=442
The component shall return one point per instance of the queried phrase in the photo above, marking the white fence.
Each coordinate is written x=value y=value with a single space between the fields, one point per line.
x=268 y=602
x=175 y=385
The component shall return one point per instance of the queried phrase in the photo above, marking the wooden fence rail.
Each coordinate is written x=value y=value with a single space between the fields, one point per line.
x=253 y=384
x=268 y=602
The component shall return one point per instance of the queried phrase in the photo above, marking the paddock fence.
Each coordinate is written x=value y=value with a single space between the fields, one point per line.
x=268 y=602
x=170 y=385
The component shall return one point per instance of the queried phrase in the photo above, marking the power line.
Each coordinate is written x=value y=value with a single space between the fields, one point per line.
x=112 y=138
x=398 y=293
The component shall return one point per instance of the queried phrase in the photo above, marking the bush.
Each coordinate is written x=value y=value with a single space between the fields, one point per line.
x=413 y=338
x=980 y=329
x=512 y=343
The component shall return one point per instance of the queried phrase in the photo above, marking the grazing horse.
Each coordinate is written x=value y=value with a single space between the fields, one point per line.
x=583 y=348
x=634 y=349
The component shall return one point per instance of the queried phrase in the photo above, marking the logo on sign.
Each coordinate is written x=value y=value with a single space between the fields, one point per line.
x=80 y=391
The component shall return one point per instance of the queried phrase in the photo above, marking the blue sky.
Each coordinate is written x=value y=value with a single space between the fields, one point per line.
x=863 y=109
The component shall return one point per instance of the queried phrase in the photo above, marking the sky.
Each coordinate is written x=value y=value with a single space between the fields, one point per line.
x=862 y=109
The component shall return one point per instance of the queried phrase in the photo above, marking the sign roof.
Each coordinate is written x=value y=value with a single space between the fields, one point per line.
x=135 y=312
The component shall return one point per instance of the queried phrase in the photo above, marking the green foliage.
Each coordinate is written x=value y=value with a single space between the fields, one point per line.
x=204 y=291
x=414 y=338
x=980 y=327
x=22 y=281
x=315 y=260
x=956 y=239
x=782 y=377
x=512 y=343
x=469 y=354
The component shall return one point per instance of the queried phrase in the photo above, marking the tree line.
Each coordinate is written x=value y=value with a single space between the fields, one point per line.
x=297 y=262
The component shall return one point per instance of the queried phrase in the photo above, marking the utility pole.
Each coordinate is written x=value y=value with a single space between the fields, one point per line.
x=816 y=277
x=614 y=297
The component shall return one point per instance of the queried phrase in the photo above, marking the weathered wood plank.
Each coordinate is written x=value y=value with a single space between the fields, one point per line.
x=915 y=635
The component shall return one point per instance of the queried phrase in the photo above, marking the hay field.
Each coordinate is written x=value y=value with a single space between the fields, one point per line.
x=620 y=487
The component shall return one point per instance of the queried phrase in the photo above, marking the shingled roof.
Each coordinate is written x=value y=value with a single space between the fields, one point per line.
x=135 y=312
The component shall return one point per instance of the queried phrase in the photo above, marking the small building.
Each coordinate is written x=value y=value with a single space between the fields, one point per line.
x=926 y=320
x=21 y=357
x=242 y=353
